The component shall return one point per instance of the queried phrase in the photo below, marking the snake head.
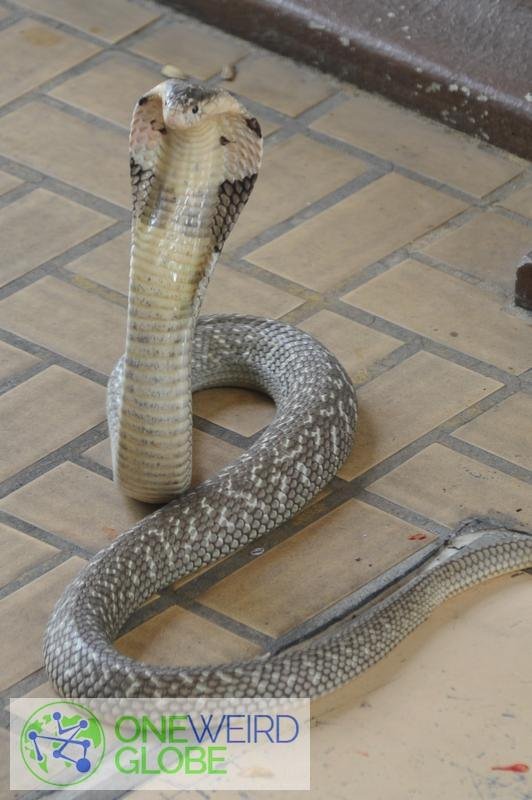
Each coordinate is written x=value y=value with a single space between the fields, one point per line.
x=177 y=105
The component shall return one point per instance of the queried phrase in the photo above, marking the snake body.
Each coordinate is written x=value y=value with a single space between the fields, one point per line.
x=194 y=154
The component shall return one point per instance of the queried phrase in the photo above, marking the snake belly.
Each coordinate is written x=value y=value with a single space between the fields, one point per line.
x=195 y=153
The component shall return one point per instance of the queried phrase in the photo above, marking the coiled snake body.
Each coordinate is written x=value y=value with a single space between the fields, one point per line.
x=195 y=153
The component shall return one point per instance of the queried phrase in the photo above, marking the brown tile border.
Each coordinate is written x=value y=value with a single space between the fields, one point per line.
x=463 y=64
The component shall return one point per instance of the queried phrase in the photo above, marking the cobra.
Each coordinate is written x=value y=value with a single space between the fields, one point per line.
x=194 y=154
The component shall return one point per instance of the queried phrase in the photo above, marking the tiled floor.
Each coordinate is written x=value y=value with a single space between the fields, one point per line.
x=391 y=239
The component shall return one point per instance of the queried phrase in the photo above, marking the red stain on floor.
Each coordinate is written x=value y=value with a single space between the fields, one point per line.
x=513 y=768
x=418 y=537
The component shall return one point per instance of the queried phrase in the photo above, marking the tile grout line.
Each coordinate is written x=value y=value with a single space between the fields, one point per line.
x=94 y=435
x=53 y=539
x=56 y=263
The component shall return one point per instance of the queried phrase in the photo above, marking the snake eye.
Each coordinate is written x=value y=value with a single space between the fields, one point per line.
x=194 y=109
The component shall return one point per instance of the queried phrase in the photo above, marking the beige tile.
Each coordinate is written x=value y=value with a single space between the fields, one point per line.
x=5 y=792
x=8 y=182
x=448 y=310
x=44 y=690
x=177 y=637
x=337 y=555
x=209 y=455
x=280 y=192
x=195 y=49
x=240 y=410
x=520 y=201
x=504 y=430
x=42 y=225
x=107 y=264
x=19 y=553
x=282 y=84
x=464 y=677
x=101 y=453
x=339 y=242
x=110 y=21
x=232 y=292
x=267 y=126
x=13 y=361
x=79 y=325
x=448 y=487
x=28 y=610
x=44 y=413
x=356 y=346
x=31 y=53
x=110 y=89
x=75 y=151
x=419 y=144
x=489 y=246
x=76 y=504
x=406 y=402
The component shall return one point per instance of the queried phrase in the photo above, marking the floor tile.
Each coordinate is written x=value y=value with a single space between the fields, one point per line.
x=449 y=487
x=520 y=201
x=110 y=89
x=210 y=455
x=45 y=412
x=419 y=144
x=42 y=225
x=266 y=125
x=232 y=292
x=68 y=148
x=280 y=192
x=107 y=264
x=19 y=553
x=282 y=84
x=356 y=346
x=76 y=504
x=504 y=430
x=195 y=49
x=405 y=295
x=4 y=756
x=109 y=21
x=101 y=453
x=337 y=555
x=8 y=182
x=336 y=244
x=43 y=51
x=406 y=402
x=489 y=246
x=240 y=410
x=28 y=609
x=14 y=361
x=177 y=637
x=461 y=675
x=83 y=326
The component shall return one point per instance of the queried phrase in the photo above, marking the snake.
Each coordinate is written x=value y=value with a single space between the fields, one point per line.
x=195 y=152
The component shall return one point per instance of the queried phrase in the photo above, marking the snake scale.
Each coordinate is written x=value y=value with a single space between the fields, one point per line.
x=194 y=155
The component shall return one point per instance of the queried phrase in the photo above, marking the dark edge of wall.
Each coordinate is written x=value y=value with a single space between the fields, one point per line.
x=341 y=37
